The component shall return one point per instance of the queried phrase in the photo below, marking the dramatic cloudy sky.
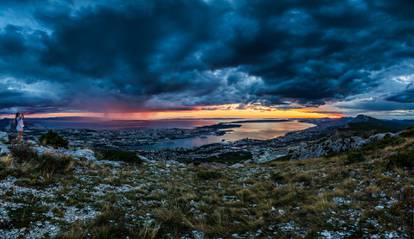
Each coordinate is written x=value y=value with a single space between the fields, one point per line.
x=172 y=55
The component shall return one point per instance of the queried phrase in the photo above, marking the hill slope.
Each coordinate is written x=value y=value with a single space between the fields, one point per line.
x=368 y=193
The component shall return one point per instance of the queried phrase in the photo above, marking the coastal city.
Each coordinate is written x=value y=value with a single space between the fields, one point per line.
x=293 y=145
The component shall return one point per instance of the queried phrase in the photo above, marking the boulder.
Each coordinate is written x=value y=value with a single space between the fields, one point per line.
x=326 y=147
x=31 y=142
x=380 y=136
x=4 y=137
x=145 y=159
x=237 y=165
x=4 y=150
x=198 y=235
x=76 y=154
x=40 y=150
x=84 y=153
x=270 y=155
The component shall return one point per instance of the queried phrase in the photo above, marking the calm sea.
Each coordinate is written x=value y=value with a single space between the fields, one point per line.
x=88 y=123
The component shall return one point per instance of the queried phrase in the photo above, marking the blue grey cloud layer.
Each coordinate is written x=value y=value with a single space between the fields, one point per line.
x=165 y=54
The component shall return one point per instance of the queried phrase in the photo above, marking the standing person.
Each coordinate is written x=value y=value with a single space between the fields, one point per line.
x=19 y=126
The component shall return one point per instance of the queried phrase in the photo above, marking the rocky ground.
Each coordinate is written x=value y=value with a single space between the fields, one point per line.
x=48 y=192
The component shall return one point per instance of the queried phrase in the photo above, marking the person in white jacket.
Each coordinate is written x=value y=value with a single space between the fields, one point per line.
x=19 y=126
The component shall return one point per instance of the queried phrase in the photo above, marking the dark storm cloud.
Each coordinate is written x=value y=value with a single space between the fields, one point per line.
x=12 y=43
x=403 y=97
x=167 y=54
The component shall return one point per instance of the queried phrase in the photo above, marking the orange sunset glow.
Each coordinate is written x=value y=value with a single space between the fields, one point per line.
x=227 y=111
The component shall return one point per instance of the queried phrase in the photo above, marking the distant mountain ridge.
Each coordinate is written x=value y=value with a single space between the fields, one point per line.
x=364 y=122
x=364 y=118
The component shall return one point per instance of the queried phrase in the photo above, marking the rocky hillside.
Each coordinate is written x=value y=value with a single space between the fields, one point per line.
x=366 y=192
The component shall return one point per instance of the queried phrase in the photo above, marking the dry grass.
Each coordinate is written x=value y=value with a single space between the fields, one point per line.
x=289 y=199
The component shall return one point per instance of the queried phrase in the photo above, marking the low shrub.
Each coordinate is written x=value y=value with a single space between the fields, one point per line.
x=209 y=174
x=3 y=169
x=53 y=139
x=402 y=159
x=277 y=177
x=2 y=166
x=354 y=157
x=229 y=157
x=388 y=140
x=117 y=155
x=408 y=132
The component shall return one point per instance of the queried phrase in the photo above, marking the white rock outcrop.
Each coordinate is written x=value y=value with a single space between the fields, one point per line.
x=4 y=150
x=269 y=155
x=76 y=154
x=236 y=165
x=4 y=137
x=333 y=145
x=84 y=153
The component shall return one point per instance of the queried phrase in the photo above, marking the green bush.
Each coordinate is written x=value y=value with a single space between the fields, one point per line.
x=3 y=170
x=53 y=139
x=388 y=140
x=354 y=157
x=277 y=177
x=408 y=132
x=229 y=157
x=117 y=155
x=208 y=174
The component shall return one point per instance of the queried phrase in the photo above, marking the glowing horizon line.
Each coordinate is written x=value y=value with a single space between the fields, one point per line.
x=194 y=114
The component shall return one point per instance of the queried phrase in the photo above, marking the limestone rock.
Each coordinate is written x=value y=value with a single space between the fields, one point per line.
x=76 y=154
x=84 y=153
x=4 y=150
x=270 y=155
x=325 y=147
x=237 y=165
x=4 y=137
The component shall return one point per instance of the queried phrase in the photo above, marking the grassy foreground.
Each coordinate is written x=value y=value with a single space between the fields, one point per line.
x=368 y=193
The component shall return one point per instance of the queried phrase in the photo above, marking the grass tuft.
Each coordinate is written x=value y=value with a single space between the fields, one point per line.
x=208 y=174
x=46 y=165
x=22 y=153
x=354 y=157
